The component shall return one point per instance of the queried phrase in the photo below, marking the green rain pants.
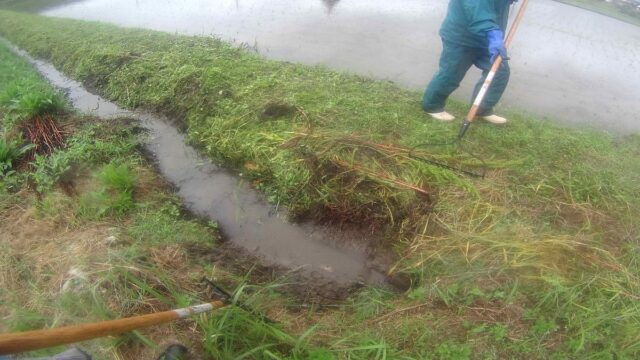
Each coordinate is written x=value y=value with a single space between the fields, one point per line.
x=455 y=61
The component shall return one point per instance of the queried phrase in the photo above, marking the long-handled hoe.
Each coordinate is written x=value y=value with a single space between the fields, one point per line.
x=39 y=339
x=471 y=115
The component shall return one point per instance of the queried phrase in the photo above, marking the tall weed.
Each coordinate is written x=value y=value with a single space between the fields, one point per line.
x=9 y=153
x=28 y=98
x=116 y=195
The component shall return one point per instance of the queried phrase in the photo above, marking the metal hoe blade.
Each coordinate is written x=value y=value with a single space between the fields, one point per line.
x=459 y=169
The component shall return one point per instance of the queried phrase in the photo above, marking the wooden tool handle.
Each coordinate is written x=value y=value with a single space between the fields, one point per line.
x=496 y=64
x=39 y=339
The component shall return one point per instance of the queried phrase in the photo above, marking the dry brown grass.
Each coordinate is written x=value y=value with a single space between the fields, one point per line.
x=43 y=254
x=48 y=245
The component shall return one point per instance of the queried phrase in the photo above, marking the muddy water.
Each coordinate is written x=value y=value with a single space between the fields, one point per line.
x=568 y=63
x=244 y=217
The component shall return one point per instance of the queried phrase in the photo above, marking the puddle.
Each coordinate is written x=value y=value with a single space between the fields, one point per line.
x=567 y=63
x=247 y=221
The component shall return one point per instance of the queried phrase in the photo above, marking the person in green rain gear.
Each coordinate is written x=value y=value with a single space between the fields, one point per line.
x=472 y=34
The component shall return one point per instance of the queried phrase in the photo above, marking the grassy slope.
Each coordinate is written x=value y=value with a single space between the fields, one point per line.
x=540 y=258
x=609 y=9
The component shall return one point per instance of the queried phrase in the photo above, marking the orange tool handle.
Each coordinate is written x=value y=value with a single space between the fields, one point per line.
x=471 y=115
x=39 y=339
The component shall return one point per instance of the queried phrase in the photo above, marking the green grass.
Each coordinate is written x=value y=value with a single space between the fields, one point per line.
x=539 y=260
x=31 y=102
x=14 y=69
x=616 y=9
x=87 y=146
x=221 y=92
x=116 y=194
x=22 y=92
x=9 y=153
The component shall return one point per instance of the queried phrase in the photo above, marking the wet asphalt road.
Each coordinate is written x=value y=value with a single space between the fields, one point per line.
x=568 y=64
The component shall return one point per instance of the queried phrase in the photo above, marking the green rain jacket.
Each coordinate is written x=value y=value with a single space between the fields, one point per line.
x=467 y=21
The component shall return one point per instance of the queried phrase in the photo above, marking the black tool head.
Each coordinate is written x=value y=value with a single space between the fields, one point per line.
x=221 y=294
x=216 y=291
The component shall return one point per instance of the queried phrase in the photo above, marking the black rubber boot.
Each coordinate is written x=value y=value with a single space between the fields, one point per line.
x=175 y=352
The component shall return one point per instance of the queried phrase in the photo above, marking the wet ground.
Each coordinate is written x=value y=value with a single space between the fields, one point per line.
x=567 y=63
x=316 y=253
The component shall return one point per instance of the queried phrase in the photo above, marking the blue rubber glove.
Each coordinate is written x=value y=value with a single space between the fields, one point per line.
x=496 y=44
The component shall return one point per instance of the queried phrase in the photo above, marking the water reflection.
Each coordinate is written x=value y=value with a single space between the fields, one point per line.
x=330 y=4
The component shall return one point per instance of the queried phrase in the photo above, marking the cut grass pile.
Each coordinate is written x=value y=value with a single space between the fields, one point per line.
x=539 y=259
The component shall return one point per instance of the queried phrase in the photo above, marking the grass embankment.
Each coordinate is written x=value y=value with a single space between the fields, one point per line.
x=616 y=9
x=539 y=259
